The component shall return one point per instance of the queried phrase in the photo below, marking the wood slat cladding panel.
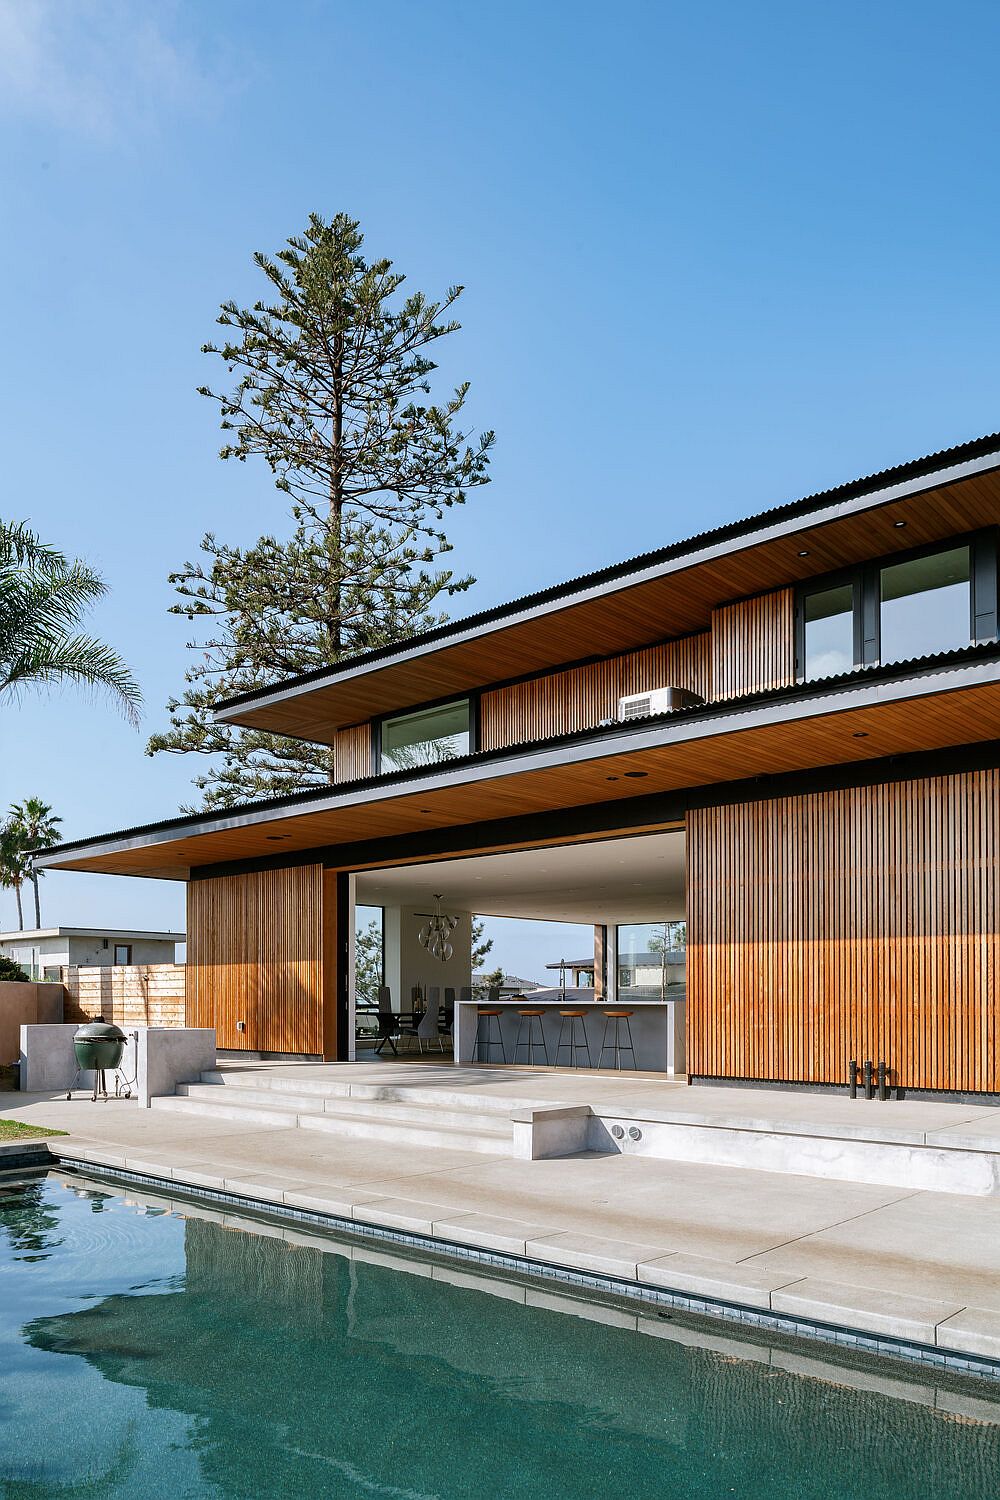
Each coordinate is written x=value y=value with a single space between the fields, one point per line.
x=581 y=697
x=859 y=923
x=352 y=753
x=255 y=954
x=753 y=645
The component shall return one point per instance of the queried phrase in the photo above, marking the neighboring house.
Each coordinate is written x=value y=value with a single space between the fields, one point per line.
x=43 y=951
x=578 y=972
x=511 y=984
x=783 y=733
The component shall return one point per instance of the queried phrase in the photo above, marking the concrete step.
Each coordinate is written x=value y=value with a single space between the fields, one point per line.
x=433 y=1096
x=361 y=1122
x=404 y=1113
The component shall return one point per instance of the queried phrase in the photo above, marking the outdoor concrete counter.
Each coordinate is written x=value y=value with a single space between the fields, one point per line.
x=657 y=1031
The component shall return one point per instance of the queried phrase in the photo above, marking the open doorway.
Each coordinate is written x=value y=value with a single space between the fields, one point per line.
x=593 y=923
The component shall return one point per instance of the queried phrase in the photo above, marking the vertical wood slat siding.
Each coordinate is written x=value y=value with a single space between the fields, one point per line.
x=855 y=923
x=581 y=697
x=753 y=645
x=352 y=753
x=255 y=954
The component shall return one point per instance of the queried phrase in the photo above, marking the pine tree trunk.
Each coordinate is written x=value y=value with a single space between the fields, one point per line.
x=334 y=607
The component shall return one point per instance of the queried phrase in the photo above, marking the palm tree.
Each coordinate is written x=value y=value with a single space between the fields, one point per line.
x=43 y=596
x=39 y=829
x=14 y=865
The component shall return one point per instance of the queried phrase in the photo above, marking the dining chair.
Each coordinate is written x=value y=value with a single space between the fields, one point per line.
x=388 y=1021
x=428 y=1031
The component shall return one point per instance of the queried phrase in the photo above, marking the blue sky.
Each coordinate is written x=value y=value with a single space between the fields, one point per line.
x=716 y=257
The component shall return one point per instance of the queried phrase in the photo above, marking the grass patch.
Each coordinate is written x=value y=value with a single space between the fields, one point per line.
x=13 y=1130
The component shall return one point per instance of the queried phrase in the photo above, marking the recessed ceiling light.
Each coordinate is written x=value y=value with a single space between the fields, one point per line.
x=899 y=523
x=860 y=734
x=636 y=775
x=611 y=778
x=426 y=809
x=275 y=837
x=804 y=552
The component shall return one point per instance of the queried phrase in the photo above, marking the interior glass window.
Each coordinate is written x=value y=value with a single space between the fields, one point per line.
x=423 y=738
x=652 y=959
x=925 y=605
x=829 y=631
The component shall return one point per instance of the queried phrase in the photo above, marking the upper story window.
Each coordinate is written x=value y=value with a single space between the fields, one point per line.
x=899 y=609
x=925 y=605
x=828 y=630
x=425 y=737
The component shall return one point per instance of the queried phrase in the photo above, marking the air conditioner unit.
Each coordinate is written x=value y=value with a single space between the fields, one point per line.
x=656 y=701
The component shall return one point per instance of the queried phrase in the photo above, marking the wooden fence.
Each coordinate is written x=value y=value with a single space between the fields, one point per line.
x=127 y=994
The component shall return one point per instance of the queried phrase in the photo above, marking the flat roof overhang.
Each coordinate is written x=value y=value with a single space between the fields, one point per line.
x=860 y=719
x=657 y=597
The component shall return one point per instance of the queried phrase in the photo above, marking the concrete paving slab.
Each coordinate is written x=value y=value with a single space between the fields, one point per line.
x=592 y=1252
x=399 y=1213
x=339 y=1202
x=893 y=1313
x=974 y=1330
x=705 y=1277
x=488 y=1231
x=935 y=1245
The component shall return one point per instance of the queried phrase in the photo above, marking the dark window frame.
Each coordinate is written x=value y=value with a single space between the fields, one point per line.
x=472 y=701
x=865 y=578
x=125 y=948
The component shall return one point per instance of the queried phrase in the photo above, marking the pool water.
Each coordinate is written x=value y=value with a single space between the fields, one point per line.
x=150 y=1349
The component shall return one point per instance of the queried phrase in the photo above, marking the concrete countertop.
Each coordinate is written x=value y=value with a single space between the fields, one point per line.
x=568 y=1003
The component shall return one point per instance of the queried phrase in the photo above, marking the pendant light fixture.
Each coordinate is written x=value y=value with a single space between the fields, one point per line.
x=435 y=935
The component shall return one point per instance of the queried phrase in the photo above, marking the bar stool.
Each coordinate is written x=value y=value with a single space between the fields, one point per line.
x=618 y=1018
x=491 y=1039
x=570 y=1018
x=530 y=1042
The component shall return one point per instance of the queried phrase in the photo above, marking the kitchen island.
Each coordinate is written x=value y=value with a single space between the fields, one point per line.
x=657 y=1032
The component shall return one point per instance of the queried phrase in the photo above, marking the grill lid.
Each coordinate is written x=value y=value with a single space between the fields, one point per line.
x=98 y=1031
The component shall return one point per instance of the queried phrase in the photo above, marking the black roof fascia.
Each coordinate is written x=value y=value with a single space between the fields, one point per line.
x=910 y=474
x=294 y=802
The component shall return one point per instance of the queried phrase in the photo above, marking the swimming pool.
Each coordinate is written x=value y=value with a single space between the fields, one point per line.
x=150 y=1349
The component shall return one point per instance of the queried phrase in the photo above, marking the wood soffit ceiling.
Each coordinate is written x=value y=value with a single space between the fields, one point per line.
x=846 y=727
x=624 y=615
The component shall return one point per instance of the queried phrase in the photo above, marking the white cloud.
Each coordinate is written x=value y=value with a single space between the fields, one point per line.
x=104 y=68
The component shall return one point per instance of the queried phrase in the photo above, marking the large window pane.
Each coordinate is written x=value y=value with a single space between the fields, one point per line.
x=421 y=739
x=652 y=960
x=926 y=605
x=829 y=631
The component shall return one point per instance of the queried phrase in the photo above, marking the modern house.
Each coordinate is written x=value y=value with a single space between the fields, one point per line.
x=43 y=951
x=783 y=734
x=512 y=985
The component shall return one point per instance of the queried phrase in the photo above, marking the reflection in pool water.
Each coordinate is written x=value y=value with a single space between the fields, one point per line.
x=152 y=1353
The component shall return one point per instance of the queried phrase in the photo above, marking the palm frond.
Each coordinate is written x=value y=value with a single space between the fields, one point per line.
x=81 y=659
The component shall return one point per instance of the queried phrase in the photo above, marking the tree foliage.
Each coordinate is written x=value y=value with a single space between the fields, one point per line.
x=43 y=597
x=11 y=970
x=15 y=866
x=332 y=393
x=31 y=825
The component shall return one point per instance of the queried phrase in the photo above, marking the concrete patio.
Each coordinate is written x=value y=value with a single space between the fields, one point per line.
x=913 y=1265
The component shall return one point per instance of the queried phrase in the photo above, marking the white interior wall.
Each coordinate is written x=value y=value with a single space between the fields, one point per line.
x=407 y=963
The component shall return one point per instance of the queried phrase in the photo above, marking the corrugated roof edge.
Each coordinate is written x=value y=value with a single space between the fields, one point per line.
x=982 y=651
x=912 y=469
